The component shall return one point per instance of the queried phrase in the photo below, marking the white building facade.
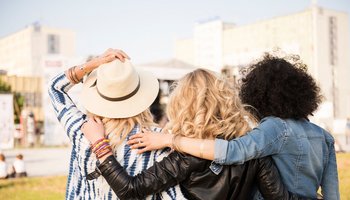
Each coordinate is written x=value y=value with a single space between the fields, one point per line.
x=26 y=52
x=320 y=36
x=39 y=51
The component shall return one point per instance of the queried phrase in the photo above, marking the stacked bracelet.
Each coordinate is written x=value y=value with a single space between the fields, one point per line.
x=72 y=75
x=101 y=147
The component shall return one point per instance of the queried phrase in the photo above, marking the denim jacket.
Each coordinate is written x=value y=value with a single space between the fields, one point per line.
x=302 y=151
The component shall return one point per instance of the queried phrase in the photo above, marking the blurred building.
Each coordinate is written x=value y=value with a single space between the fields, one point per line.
x=31 y=57
x=320 y=36
x=25 y=52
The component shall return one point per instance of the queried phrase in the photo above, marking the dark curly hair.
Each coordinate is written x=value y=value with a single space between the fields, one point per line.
x=275 y=87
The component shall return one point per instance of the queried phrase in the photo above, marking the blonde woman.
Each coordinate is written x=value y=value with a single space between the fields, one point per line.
x=205 y=106
x=120 y=96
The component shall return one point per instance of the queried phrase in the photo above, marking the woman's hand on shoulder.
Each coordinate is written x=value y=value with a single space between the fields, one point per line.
x=93 y=129
x=148 y=141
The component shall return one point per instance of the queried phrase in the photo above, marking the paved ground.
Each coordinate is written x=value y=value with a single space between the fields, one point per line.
x=42 y=161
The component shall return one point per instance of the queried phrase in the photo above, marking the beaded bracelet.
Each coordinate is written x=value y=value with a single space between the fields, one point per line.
x=69 y=72
x=100 y=143
x=106 y=144
x=109 y=148
x=103 y=151
x=72 y=75
x=97 y=141
x=103 y=154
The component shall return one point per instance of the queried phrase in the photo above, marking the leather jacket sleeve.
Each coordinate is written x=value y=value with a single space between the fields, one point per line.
x=162 y=175
x=269 y=180
x=270 y=183
x=176 y=168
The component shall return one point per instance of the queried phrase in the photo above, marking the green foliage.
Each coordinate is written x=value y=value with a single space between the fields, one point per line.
x=18 y=99
x=4 y=87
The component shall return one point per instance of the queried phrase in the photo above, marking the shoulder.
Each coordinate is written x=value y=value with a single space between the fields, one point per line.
x=273 y=121
x=319 y=130
x=329 y=138
x=272 y=125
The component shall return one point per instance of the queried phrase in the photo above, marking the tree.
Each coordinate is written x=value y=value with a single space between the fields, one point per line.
x=18 y=99
x=4 y=87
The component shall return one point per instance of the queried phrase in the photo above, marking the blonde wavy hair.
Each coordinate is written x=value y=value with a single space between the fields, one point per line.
x=118 y=128
x=205 y=105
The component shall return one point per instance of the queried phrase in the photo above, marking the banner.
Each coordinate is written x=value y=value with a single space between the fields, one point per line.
x=6 y=121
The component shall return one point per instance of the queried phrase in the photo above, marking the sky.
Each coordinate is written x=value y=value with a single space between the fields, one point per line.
x=145 y=29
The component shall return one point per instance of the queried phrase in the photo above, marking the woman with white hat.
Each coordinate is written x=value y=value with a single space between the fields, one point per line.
x=118 y=96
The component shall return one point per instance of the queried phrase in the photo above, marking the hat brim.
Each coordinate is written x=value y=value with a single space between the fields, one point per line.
x=145 y=96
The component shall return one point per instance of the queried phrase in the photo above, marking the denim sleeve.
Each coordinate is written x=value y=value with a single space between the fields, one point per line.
x=266 y=139
x=329 y=183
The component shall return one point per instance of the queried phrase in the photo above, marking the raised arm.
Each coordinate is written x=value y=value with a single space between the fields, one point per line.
x=65 y=109
x=162 y=175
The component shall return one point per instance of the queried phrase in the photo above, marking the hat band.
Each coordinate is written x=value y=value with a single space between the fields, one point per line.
x=117 y=98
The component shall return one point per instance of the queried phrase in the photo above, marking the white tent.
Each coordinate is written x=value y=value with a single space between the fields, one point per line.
x=171 y=69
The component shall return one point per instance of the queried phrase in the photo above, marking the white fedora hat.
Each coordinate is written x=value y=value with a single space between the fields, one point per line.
x=117 y=90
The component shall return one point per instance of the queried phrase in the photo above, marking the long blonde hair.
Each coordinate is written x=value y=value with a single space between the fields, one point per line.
x=204 y=105
x=118 y=128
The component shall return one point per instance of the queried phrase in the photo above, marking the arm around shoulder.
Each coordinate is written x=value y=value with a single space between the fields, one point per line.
x=162 y=175
x=266 y=139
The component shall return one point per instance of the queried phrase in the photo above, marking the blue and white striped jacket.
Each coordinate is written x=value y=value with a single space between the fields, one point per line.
x=83 y=161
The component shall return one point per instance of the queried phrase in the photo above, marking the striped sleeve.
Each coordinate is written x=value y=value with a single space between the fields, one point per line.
x=66 y=111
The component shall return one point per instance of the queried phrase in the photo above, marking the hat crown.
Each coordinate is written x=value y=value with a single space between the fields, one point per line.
x=118 y=90
x=117 y=79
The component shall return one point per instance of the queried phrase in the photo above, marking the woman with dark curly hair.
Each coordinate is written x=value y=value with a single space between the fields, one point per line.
x=281 y=94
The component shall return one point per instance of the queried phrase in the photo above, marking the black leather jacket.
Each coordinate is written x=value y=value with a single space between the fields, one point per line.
x=197 y=181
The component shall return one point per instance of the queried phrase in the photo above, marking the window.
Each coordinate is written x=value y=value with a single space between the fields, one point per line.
x=53 y=44
x=333 y=40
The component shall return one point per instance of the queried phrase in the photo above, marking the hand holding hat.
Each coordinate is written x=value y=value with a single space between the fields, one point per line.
x=108 y=56
x=76 y=73
x=117 y=90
